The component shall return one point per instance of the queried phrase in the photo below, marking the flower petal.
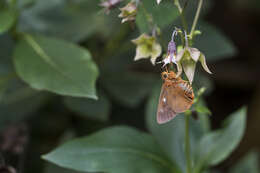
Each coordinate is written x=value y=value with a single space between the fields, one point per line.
x=166 y=60
x=158 y=1
x=153 y=60
x=141 y=39
x=194 y=53
x=128 y=13
x=156 y=52
x=203 y=63
x=179 y=68
x=141 y=52
x=189 y=68
x=180 y=55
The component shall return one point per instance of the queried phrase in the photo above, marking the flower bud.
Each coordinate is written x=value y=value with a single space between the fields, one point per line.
x=128 y=13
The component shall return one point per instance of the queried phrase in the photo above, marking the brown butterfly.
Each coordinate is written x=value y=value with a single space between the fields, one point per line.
x=176 y=97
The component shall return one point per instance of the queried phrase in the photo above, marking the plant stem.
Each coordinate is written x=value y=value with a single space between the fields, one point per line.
x=187 y=143
x=181 y=11
x=195 y=21
x=177 y=3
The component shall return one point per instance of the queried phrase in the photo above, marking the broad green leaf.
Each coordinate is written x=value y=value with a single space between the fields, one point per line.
x=7 y=19
x=162 y=15
x=19 y=101
x=127 y=87
x=248 y=164
x=94 y=109
x=213 y=43
x=69 y=20
x=171 y=135
x=217 y=145
x=6 y=49
x=55 y=65
x=51 y=168
x=25 y=3
x=142 y=20
x=113 y=150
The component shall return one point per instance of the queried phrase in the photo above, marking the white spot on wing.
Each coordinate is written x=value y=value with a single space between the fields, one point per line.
x=164 y=100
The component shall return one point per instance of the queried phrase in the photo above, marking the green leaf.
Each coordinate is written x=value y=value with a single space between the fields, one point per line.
x=216 y=146
x=6 y=49
x=69 y=20
x=115 y=150
x=19 y=101
x=171 y=135
x=127 y=87
x=7 y=19
x=51 y=168
x=248 y=164
x=162 y=15
x=94 y=109
x=214 y=44
x=142 y=21
x=55 y=65
x=203 y=109
x=25 y=3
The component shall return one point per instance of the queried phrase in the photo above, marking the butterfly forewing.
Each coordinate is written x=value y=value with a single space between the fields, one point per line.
x=164 y=111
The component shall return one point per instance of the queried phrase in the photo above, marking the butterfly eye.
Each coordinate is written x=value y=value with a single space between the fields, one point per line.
x=164 y=75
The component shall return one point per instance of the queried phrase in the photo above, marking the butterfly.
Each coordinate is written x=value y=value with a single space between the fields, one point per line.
x=176 y=96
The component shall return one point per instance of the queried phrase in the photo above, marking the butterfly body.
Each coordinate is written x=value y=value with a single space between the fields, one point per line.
x=176 y=97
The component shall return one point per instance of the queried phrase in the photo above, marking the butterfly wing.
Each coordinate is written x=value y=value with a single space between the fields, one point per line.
x=174 y=98
x=180 y=96
x=164 y=111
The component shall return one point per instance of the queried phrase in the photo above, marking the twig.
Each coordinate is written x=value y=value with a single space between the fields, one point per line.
x=195 y=21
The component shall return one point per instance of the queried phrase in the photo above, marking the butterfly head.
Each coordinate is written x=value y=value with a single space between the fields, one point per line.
x=168 y=75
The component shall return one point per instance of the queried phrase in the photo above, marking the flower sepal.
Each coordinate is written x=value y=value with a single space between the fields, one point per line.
x=147 y=47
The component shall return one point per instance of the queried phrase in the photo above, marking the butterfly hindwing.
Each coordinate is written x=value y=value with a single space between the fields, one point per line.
x=178 y=97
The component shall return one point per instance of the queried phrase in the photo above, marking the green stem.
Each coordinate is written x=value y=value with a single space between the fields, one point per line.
x=187 y=143
x=181 y=11
x=177 y=3
x=195 y=21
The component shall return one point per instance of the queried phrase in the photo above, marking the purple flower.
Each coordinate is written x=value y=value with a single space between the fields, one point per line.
x=171 y=54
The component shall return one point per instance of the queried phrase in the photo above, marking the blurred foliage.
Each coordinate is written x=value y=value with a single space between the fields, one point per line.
x=202 y=140
x=123 y=149
x=95 y=109
x=250 y=163
x=58 y=56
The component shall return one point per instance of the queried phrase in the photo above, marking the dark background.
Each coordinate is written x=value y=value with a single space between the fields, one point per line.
x=235 y=82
